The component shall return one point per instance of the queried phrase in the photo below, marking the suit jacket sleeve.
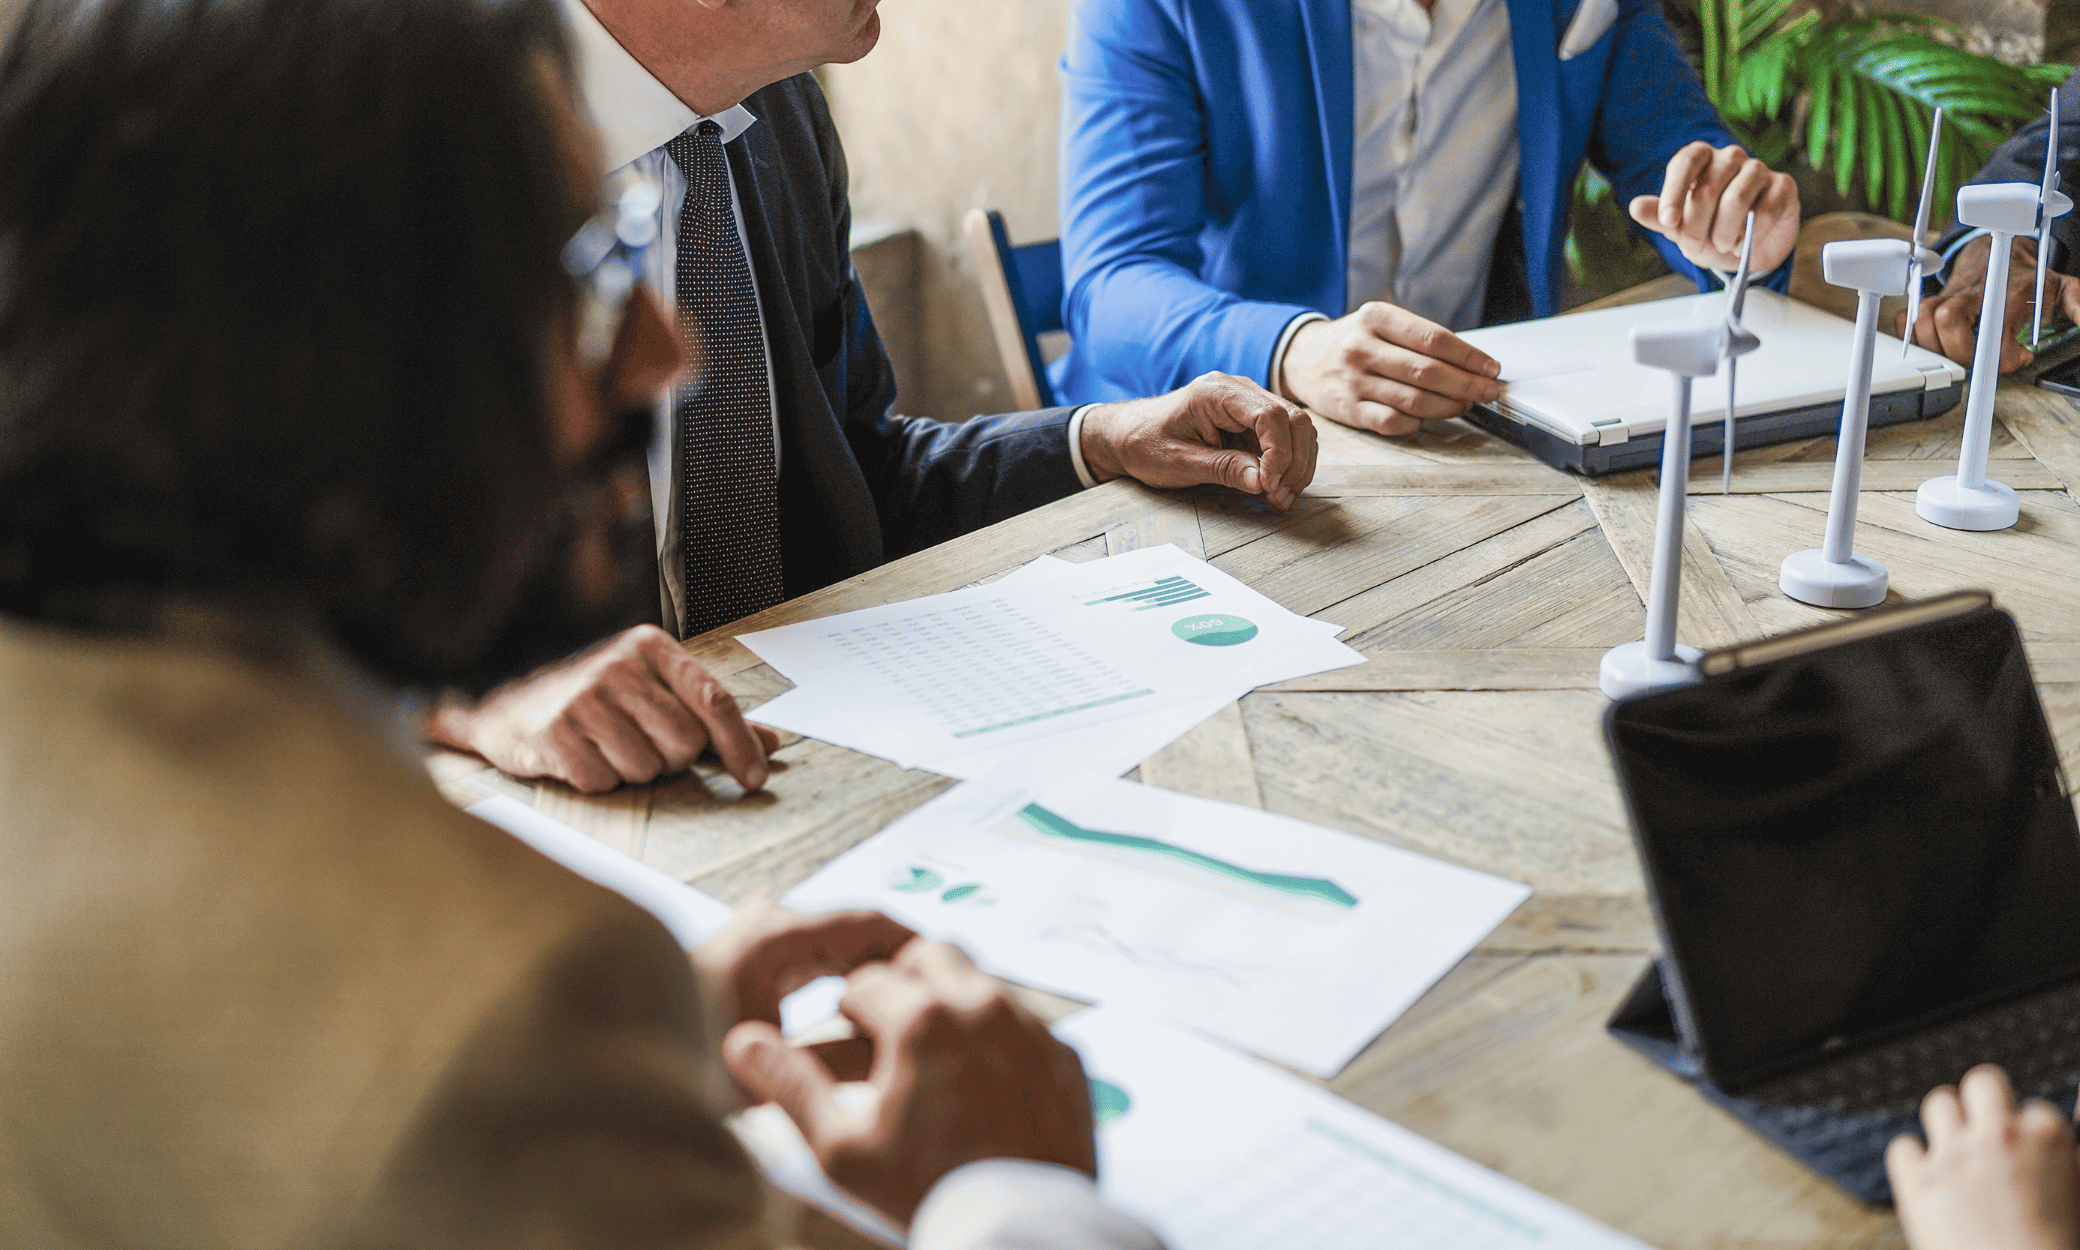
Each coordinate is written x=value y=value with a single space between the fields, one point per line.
x=2021 y=159
x=581 y=1112
x=1653 y=104
x=934 y=480
x=1133 y=205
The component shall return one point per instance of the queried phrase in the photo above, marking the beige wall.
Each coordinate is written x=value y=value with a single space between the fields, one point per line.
x=958 y=108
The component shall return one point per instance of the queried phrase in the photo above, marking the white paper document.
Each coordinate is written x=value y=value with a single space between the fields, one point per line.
x=1215 y=1151
x=1298 y=942
x=1059 y=651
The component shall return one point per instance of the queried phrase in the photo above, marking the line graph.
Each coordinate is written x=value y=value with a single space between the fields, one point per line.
x=1056 y=827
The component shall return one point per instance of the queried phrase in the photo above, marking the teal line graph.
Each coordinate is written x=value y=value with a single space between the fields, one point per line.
x=1161 y=593
x=1319 y=889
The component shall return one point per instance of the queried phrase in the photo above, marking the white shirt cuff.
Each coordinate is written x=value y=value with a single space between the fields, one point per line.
x=1950 y=253
x=1083 y=471
x=1017 y=1204
x=1278 y=353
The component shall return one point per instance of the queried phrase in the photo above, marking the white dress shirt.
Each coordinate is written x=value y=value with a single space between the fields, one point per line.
x=637 y=116
x=1433 y=157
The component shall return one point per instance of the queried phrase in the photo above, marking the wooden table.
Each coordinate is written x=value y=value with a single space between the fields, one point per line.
x=1483 y=587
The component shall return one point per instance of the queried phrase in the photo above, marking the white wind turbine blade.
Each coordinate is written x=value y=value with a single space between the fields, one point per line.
x=2044 y=194
x=1919 y=241
x=1737 y=296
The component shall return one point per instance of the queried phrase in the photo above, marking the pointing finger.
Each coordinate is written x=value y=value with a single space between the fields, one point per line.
x=1683 y=171
x=740 y=749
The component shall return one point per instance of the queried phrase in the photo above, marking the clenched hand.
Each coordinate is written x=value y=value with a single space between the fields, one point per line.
x=1220 y=429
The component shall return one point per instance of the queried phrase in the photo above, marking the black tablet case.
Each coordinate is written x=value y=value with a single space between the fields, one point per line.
x=1846 y=1146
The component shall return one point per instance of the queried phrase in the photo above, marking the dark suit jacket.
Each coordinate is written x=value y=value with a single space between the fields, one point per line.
x=2021 y=159
x=859 y=484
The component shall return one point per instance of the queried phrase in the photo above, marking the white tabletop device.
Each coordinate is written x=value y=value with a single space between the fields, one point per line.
x=1574 y=395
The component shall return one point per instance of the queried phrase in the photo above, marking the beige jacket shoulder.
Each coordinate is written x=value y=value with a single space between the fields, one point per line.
x=260 y=986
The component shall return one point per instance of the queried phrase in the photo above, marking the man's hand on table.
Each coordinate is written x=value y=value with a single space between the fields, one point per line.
x=1949 y=320
x=961 y=1073
x=1220 y=429
x=630 y=710
x=1385 y=369
x=1706 y=196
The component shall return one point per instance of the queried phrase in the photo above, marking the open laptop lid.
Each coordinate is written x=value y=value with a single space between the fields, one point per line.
x=1574 y=376
x=1849 y=833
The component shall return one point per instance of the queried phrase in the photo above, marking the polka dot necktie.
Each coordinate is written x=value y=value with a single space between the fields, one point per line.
x=729 y=505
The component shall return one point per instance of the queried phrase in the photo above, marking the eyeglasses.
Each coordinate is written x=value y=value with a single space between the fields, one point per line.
x=605 y=259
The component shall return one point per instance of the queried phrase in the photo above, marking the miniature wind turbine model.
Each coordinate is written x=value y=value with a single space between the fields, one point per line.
x=1735 y=301
x=1687 y=350
x=1833 y=575
x=1968 y=500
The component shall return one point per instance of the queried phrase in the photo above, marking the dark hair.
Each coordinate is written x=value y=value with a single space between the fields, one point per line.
x=277 y=280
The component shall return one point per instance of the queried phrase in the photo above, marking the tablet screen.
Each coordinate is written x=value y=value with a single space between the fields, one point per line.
x=1845 y=844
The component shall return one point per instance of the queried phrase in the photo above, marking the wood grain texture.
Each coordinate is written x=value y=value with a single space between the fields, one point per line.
x=1818 y=476
x=1171 y=521
x=1482 y=588
x=1710 y=612
x=1212 y=760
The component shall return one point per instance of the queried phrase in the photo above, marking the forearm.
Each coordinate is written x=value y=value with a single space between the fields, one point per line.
x=940 y=479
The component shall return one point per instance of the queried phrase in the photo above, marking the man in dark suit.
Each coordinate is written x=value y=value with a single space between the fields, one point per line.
x=1949 y=320
x=781 y=468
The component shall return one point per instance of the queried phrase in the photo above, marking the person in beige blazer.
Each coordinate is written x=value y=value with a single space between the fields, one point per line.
x=295 y=367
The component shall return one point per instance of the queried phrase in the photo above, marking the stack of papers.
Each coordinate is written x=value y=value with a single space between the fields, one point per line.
x=1214 y=1151
x=1217 y=1152
x=1101 y=663
x=1170 y=901
x=1297 y=942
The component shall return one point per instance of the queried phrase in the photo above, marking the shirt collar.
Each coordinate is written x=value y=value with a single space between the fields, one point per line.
x=635 y=113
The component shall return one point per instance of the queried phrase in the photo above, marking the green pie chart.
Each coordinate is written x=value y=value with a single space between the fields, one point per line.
x=1224 y=630
x=914 y=880
x=1108 y=1101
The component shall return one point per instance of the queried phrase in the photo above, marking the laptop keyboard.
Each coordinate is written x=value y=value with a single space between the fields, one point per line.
x=2037 y=1039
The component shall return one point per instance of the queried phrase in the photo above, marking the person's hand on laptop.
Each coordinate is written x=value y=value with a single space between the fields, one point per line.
x=1220 y=429
x=630 y=710
x=1706 y=196
x=1949 y=319
x=961 y=1073
x=1992 y=1176
x=1387 y=370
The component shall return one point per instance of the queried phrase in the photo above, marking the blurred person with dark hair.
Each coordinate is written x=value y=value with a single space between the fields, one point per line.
x=1954 y=295
x=300 y=361
x=786 y=467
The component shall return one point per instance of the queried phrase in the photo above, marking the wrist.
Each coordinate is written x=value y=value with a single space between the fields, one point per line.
x=1098 y=442
x=1302 y=344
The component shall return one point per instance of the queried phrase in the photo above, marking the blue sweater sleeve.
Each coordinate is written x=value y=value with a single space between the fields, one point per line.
x=1134 y=205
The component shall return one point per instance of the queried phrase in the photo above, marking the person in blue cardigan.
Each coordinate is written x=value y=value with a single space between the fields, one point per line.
x=1317 y=193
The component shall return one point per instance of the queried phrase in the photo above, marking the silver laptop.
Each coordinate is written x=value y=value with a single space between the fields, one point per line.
x=1573 y=395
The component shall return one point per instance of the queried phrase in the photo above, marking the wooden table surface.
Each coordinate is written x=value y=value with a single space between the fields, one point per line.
x=1483 y=587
